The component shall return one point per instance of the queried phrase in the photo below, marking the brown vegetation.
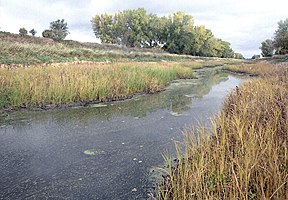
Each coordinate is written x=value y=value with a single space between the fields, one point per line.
x=245 y=155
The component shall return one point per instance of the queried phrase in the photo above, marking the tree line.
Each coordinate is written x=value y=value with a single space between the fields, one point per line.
x=278 y=44
x=175 y=33
x=58 y=30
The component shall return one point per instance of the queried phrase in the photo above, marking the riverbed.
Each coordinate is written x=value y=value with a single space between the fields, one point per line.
x=103 y=151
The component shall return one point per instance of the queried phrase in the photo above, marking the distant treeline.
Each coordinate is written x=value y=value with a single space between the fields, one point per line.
x=175 y=33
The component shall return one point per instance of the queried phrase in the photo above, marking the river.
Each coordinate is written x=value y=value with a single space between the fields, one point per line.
x=103 y=151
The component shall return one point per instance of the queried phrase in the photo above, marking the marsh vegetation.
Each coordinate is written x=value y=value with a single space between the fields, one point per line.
x=244 y=155
x=83 y=83
x=40 y=72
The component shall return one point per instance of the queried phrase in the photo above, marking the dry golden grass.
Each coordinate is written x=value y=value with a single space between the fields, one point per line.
x=69 y=83
x=245 y=155
x=262 y=68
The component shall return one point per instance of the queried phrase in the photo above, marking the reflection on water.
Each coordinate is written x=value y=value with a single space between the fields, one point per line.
x=102 y=151
x=177 y=98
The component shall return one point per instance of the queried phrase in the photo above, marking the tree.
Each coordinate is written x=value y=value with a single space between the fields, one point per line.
x=47 y=34
x=212 y=47
x=130 y=27
x=238 y=56
x=179 y=33
x=58 y=30
x=136 y=26
x=22 y=31
x=227 y=51
x=281 y=36
x=201 y=36
x=175 y=33
x=267 y=48
x=120 y=32
x=127 y=28
x=33 y=32
x=103 y=28
x=155 y=30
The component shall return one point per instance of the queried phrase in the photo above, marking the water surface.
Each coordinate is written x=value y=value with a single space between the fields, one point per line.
x=102 y=151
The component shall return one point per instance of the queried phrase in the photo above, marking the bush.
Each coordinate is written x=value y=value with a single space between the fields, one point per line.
x=23 y=31
x=33 y=32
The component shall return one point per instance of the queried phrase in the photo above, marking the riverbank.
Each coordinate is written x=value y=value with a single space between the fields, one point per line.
x=244 y=155
x=60 y=84
x=41 y=73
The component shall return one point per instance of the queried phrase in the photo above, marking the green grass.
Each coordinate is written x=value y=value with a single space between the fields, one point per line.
x=245 y=154
x=14 y=53
x=60 y=84
x=31 y=54
x=28 y=50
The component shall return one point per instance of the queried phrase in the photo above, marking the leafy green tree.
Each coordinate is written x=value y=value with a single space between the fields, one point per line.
x=128 y=27
x=155 y=30
x=120 y=32
x=23 y=31
x=238 y=56
x=212 y=47
x=175 y=33
x=179 y=33
x=136 y=24
x=267 y=48
x=58 y=30
x=198 y=42
x=47 y=34
x=103 y=28
x=281 y=36
x=227 y=51
x=33 y=32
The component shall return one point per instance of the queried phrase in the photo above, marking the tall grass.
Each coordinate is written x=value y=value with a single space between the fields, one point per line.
x=262 y=68
x=244 y=155
x=69 y=83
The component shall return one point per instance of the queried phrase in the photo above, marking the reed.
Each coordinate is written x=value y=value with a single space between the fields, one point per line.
x=262 y=68
x=59 y=84
x=245 y=154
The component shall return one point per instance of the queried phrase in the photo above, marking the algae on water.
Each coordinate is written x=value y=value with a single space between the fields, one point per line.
x=92 y=152
x=89 y=152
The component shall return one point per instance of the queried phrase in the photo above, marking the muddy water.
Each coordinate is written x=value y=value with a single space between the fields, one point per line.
x=102 y=151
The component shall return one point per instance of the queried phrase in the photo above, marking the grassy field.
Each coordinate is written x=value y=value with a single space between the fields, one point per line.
x=31 y=54
x=245 y=154
x=28 y=50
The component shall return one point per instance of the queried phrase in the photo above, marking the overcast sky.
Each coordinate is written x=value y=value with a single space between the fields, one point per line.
x=243 y=23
